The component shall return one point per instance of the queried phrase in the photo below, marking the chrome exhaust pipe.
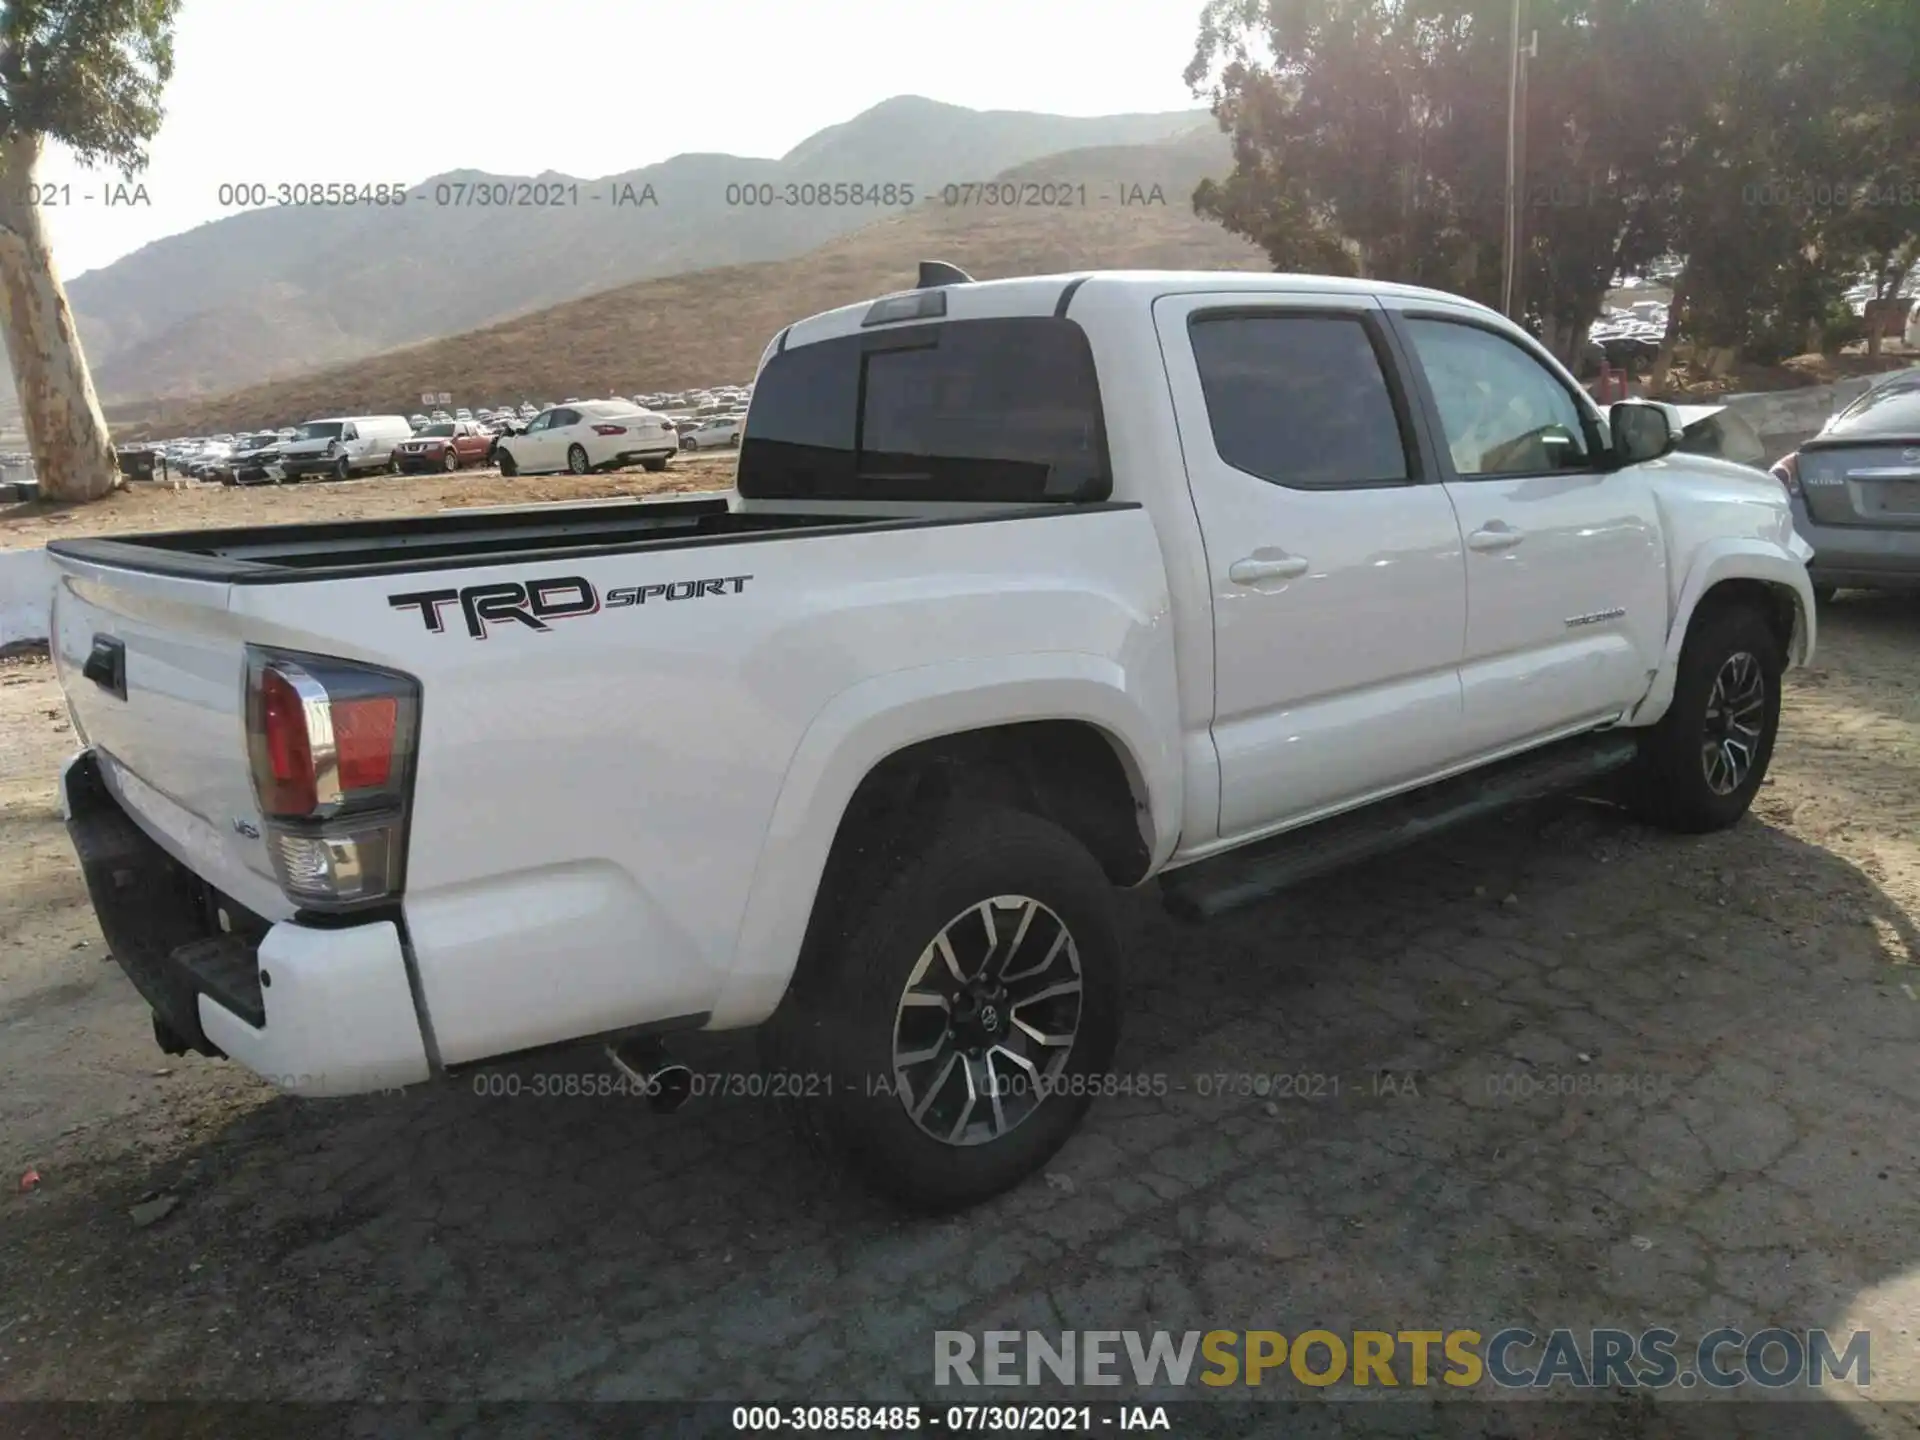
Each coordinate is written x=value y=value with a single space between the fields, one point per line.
x=644 y=1062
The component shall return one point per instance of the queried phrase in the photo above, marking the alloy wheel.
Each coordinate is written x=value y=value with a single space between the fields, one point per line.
x=987 y=1020
x=1736 y=713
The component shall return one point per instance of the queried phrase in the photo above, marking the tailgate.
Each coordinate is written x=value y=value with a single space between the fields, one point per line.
x=1867 y=483
x=154 y=671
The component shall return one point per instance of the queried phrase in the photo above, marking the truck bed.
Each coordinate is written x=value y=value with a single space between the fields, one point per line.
x=265 y=555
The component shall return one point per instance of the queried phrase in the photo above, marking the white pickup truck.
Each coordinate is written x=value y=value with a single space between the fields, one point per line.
x=1027 y=589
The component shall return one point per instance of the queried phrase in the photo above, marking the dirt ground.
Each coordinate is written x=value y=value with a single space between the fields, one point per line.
x=155 y=506
x=1747 y=1003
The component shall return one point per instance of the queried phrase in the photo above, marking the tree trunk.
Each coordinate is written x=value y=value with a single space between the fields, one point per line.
x=1663 y=362
x=73 y=455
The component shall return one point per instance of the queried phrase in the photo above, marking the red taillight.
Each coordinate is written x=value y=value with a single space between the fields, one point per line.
x=287 y=784
x=609 y=429
x=331 y=744
x=1787 y=472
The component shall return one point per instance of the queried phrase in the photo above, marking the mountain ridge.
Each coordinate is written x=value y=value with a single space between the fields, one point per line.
x=272 y=291
x=709 y=326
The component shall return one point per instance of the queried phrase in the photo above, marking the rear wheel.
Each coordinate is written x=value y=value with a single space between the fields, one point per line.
x=946 y=1034
x=689 y=443
x=1700 y=767
x=577 y=459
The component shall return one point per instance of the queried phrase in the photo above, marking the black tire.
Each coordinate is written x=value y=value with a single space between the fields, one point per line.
x=835 y=1030
x=577 y=460
x=342 y=469
x=507 y=467
x=452 y=461
x=1669 y=785
x=655 y=463
x=689 y=443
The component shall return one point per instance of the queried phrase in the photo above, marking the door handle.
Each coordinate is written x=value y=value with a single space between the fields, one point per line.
x=1251 y=571
x=1496 y=536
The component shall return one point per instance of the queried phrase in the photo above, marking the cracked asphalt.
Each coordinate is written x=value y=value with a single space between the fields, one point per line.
x=1552 y=1070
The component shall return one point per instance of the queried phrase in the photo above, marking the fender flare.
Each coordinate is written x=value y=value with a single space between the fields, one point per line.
x=864 y=724
x=1713 y=563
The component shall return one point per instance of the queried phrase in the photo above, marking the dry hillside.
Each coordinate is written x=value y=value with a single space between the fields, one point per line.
x=709 y=326
x=278 y=290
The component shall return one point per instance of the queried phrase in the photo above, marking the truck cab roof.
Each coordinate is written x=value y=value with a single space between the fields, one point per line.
x=1054 y=294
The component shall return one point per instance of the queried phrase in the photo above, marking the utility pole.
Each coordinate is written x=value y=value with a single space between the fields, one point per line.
x=1516 y=168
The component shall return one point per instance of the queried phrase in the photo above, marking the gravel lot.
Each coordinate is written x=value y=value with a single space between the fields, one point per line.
x=1756 y=990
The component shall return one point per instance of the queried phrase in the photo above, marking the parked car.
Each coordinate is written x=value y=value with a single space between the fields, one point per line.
x=592 y=435
x=449 y=446
x=252 y=459
x=711 y=434
x=343 y=446
x=209 y=460
x=1855 y=491
x=1356 y=561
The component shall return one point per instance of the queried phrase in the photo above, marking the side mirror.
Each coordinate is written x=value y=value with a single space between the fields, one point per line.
x=1642 y=431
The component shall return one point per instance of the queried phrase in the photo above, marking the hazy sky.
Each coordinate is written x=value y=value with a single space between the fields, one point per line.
x=397 y=90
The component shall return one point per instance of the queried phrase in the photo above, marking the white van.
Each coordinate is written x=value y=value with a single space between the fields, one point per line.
x=344 y=445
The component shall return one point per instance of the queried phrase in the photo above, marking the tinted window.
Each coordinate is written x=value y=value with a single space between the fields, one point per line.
x=1503 y=412
x=1004 y=410
x=1299 y=400
x=439 y=430
x=1887 y=409
x=319 y=430
x=564 y=417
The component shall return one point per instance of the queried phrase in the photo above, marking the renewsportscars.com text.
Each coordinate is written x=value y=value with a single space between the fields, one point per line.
x=1511 y=1358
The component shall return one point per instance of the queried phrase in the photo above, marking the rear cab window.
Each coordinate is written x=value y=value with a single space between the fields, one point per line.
x=1300 y=400
x=1003 y=410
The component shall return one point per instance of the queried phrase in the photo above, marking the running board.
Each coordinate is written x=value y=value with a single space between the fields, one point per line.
x=1255 y=872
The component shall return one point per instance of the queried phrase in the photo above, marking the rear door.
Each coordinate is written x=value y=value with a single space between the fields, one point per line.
x=1864 y=469
x=1339 y=583
x=162 y=702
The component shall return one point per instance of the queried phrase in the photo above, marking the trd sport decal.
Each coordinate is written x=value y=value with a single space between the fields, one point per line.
x=536 y=602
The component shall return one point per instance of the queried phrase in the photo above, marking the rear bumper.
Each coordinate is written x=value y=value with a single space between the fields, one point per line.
x=1862 y=556
x=312 y=1011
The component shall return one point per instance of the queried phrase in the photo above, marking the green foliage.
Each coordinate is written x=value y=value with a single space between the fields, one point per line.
x=1775 y=143
x=87 y=73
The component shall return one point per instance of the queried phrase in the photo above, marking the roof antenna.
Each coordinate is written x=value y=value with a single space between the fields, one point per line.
x=935 y=273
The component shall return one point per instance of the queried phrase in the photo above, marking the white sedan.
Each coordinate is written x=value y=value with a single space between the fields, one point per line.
x=590 y=435
x=712 y=433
